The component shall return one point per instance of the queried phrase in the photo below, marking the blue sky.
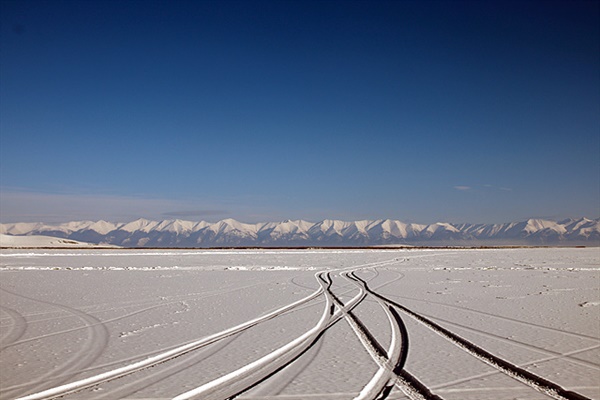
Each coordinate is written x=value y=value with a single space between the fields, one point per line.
x=268 y=110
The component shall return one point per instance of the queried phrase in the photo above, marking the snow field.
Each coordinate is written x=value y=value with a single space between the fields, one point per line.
x=68 y=316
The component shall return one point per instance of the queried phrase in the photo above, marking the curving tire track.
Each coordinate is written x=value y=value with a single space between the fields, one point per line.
x=266 y=366
x=95 y=344
x=131 y=368
x=167 y=371
x=274 y=387
x=120 y=317
x=386 y=360
x=294 y=356
x=286 y=374
x=15 y=330
x=246 y=377
x=391 y=371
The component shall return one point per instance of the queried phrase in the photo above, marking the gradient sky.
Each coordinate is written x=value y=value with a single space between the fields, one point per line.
x=421 y=111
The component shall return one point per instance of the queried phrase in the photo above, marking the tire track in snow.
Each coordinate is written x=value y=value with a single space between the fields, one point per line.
x=379 y=386
x=483 y=375
x=553 y=354
x=160 y=358
x=413 y=388
x=385 y=360
x=273 y=386
x=143 y=364
x=93 y=347
x=391 y=365
x=518 y=321
x=81 y=327
x=382 y=383
x=166 y=371
x=164 y=304
x=243 y=378
x=110 y=364
x=536 y=382
x=32 y=315
x=15 y=330
x=246 y=377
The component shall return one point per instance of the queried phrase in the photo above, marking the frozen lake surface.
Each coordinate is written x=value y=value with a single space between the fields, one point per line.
x=300 y=324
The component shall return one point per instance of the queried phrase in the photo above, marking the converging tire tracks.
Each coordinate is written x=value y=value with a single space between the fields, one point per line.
x=260 y=369
x=273 y=386
x=246 y=377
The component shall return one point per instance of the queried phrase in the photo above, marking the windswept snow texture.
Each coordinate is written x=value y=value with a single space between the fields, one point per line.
x=327 y=233
x=300 y=324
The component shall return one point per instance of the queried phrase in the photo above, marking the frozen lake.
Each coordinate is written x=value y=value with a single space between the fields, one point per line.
x=300 y=324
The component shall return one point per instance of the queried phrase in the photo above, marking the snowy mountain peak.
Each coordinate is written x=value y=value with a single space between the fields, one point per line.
x=230 y=232
x=102 y=227
x=140 y=224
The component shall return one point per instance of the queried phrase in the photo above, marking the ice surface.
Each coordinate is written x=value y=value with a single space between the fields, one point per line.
x=75 y=318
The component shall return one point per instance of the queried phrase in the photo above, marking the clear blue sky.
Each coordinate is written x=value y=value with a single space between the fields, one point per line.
x=421 y=111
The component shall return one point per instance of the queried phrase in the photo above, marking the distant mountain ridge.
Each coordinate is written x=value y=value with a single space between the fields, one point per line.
x=326 y=233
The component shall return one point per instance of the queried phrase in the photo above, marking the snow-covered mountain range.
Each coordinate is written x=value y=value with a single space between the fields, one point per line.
x=232 y=233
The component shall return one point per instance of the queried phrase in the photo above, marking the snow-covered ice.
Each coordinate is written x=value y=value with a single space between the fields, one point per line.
x=300 y=324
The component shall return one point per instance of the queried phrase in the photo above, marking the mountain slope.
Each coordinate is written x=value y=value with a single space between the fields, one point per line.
x=232 y=233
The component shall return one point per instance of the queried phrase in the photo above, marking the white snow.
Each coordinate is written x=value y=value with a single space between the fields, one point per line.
x=42 y=241
x=102 y=227
x=299 y=324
